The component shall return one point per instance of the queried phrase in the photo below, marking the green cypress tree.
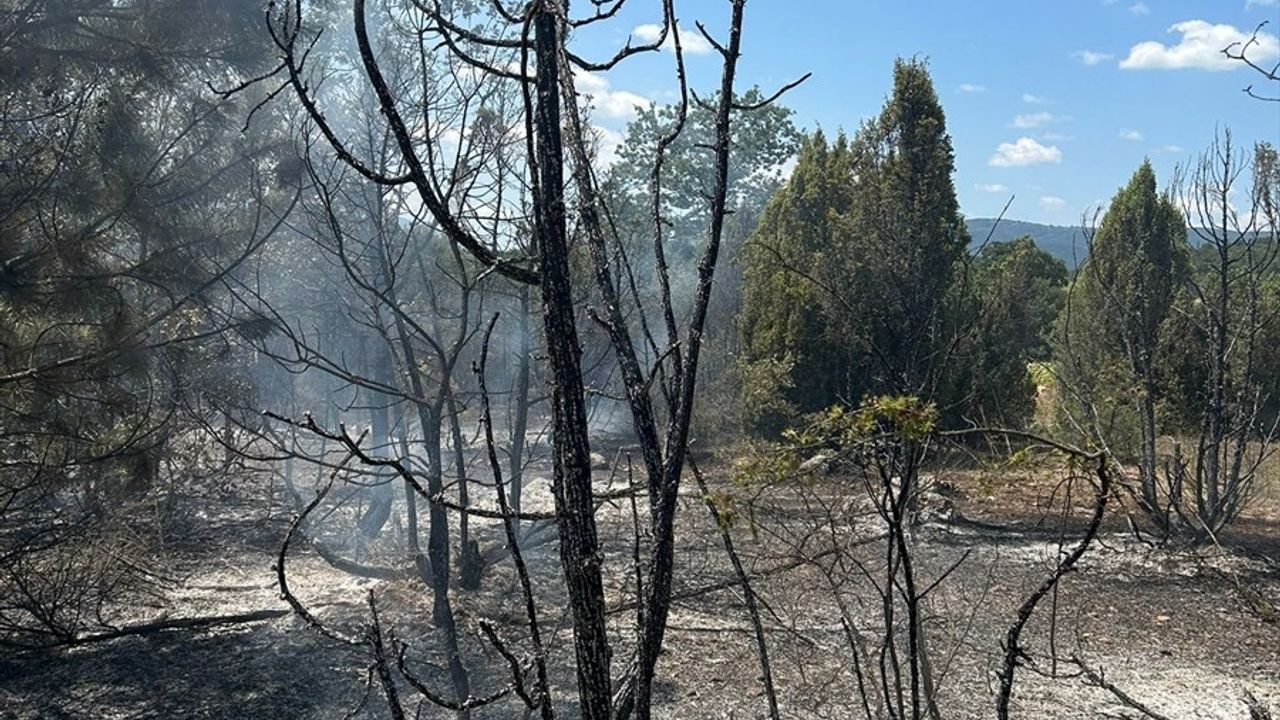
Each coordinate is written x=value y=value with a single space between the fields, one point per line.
x=849 y=276
x=1109 y=335
x=900 y=242
x=1017 y=291
x=783 y=320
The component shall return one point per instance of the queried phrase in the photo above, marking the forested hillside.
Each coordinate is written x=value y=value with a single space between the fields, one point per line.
x=1066 y=243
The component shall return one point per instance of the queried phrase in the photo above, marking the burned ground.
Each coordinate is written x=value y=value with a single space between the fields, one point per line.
x=1186 y=631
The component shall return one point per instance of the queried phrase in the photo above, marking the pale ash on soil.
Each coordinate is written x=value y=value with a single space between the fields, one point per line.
x=1167 y=626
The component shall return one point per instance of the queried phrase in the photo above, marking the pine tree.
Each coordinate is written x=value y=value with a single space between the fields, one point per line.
x=127 y=197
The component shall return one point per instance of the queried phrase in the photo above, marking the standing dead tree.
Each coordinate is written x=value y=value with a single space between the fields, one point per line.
x=748 y=592
x=557 y=135
x=1015 y=654
x=1232 y=313
x=510 y=525
x=413 y=305
x=1189 y=319
x=867 y=549
x=1241 y=52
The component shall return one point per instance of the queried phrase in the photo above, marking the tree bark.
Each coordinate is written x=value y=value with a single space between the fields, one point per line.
x=571 y=476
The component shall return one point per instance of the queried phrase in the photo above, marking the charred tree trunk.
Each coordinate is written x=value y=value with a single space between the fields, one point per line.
x=520 y=409
x=435 y=566
x=380 y=495
x=413 y=539
x=469 y=560
x=571 y=476
x=661 y=566
x=438 y=556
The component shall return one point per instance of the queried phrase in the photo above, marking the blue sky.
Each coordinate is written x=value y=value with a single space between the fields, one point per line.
x=1055 y=102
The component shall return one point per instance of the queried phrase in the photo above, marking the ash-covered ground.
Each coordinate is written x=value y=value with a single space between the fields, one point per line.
x=1185 y=631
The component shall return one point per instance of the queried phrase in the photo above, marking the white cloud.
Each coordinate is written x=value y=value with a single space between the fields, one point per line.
x=992 y=187
x=609 y=103
x=1034 y=120
x=1091 y=57
x=692 y=43
x=1139 y=8
x=1024 y=151
x=1169 y=149
x=788 y=166
x=1130 y=135
x=1052 y=202
x=1033 y=99
x=1200 y=48
x=607 y=144
x=1248 y=4
x=972 y=88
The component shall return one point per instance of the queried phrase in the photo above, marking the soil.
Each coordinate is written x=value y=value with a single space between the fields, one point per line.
x=1175 y=627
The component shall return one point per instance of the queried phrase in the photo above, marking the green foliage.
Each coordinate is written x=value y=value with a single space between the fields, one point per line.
x=903 y=417
x=859 y=435
x=762 y=141
x=726 y=509
x=767 y=464
x=901 y=241
x=1026 y=286
x=1137 y=262
x=762 y=389
x=1107 y=343
x=783 y=315
x=128 y=192
x=857 y=274
x=109 y=129
x=1015 y=293
x=1041 y=373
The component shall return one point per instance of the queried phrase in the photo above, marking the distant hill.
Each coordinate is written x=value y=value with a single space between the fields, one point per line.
x=1067 y=243
x=1063 y=242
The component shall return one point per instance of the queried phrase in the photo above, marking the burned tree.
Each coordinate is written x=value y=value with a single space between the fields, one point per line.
x=661 y=396
x=1231 y=313
x=118 y=171
x=1247 y=53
